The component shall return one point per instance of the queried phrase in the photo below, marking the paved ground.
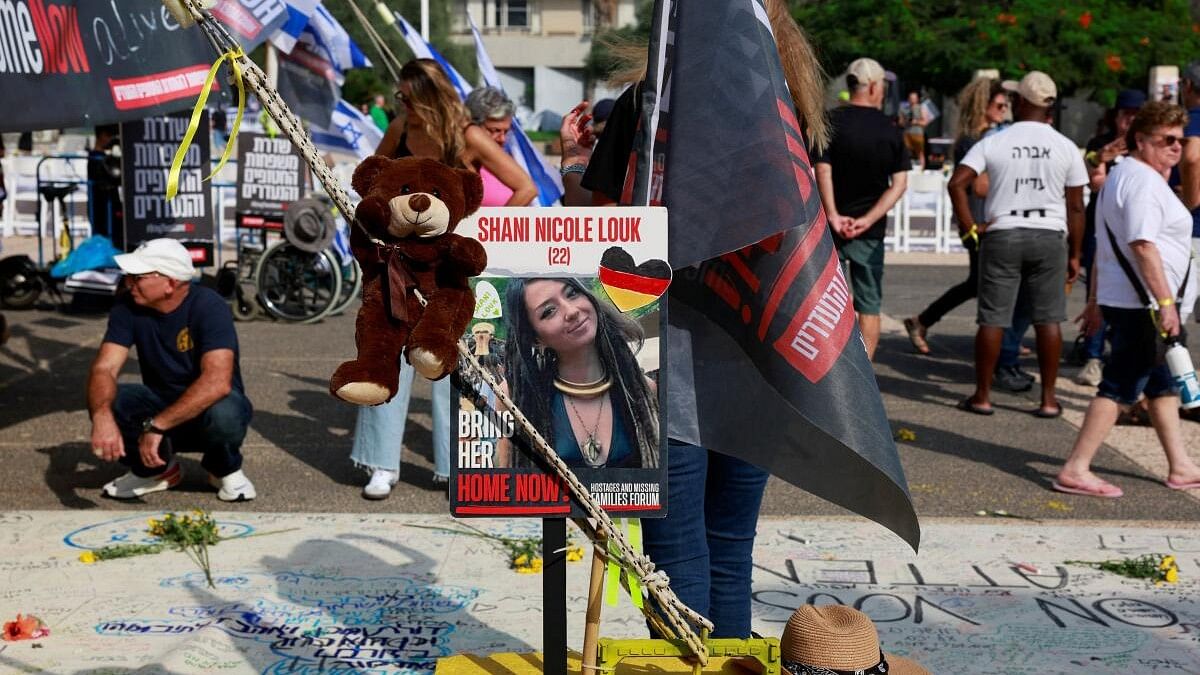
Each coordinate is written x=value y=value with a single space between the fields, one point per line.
x=298 y=448
x=374 y=594
x=965 y=601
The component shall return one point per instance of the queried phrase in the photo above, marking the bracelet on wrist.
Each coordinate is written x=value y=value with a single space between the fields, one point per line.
x=573 y=168
x=1166 y=302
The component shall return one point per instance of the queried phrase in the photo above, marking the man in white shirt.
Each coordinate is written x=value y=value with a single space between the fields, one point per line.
x=1032 y=237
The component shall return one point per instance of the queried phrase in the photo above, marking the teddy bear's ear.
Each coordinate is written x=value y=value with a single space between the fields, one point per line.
x=472 y=190
x=366 y=172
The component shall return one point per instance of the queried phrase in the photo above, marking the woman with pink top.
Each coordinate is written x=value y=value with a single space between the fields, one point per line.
x=492 y=111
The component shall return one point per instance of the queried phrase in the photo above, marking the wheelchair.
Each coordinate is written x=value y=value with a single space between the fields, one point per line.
x=305 y=276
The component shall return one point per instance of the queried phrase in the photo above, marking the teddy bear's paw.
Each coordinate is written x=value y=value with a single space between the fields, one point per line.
x=426 y=363
x=363 y=393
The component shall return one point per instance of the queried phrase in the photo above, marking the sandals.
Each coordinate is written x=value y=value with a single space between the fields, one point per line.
x=967 y=405
x=916 y=335
x=1047 y=414
x=1101 y=489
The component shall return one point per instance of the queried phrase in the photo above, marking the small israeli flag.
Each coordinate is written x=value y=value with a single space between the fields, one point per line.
x=349 y=131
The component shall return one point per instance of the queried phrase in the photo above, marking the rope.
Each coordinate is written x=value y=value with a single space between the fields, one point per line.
x=679 y=619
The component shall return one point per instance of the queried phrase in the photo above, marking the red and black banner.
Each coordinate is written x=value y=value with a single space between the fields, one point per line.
x=71 y=63
x=761 y=322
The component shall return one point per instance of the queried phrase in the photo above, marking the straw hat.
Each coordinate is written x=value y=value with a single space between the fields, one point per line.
x=834 y=639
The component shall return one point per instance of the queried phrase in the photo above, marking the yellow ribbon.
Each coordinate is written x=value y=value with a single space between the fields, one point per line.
x=612 y=583
x=177 y=164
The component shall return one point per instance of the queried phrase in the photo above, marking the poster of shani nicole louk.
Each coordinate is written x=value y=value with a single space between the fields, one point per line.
x=567 y=320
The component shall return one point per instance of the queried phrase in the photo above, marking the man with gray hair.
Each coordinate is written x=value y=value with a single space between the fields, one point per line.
x=492 y=110
x=861 y=174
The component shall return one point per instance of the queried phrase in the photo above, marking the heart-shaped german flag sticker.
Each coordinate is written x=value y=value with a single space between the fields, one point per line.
x=631 y=286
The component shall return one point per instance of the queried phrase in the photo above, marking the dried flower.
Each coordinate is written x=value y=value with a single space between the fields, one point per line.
x=1154 y=567
x=523 y=554
x=27 y=627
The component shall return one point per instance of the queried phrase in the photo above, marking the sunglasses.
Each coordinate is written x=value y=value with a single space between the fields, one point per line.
x=401 y=97
x=144 y=275
x=1002 y=105
x=482 y=332
x=1169 y=140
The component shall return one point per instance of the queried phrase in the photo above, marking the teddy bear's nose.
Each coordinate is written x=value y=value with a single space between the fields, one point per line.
x=419 y=203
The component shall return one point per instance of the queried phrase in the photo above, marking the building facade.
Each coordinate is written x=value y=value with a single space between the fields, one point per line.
x=539 y=46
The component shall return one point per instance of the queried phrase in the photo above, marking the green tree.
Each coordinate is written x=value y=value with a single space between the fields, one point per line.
x=601 y=62
x=1101 y=45
x=362 y=84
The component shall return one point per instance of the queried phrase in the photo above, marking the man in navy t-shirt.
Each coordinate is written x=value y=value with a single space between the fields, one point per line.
x=191 y=392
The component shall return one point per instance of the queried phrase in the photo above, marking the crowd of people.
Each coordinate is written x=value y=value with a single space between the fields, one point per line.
x=1018 y=200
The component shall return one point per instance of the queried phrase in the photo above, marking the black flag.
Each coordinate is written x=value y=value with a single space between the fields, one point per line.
x=763 y=344
x=71 y=63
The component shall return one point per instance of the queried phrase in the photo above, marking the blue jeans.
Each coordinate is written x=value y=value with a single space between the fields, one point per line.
x=379 y=430
x=706 y=543
x=218 y=431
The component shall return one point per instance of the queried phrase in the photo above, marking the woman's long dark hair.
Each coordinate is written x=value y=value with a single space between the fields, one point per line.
x=531 y=385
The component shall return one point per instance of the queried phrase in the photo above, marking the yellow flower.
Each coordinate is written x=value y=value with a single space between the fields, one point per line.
x=521 y=560
x=152 y=523
x=1172 y=575
x=87 y=557
x=1167 y=562
x=575 y=554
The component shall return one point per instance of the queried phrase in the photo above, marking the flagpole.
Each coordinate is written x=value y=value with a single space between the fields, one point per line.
x=425 y=20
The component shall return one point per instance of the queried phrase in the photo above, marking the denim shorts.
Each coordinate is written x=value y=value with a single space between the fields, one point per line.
x=1026 y=259
x=862 y=263
x=1134 y=366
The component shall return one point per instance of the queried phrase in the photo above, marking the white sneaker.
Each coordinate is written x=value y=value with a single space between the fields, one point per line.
x=381 y=483
x=130 y=486
x=1091 y=373
x=233 y=488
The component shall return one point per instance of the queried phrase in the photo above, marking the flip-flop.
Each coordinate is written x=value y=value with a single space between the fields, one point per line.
x=1103 y=490
x=1182 y=486
x=966 y=405
x=1048 y=415
x=915 y=336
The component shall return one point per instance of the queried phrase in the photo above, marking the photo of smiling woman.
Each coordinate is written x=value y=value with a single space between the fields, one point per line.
x=571 y=369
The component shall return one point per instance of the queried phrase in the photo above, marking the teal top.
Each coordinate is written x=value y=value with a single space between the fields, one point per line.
x=621 y=454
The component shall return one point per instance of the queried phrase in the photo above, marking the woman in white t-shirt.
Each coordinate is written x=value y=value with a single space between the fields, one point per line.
x=1140 y=220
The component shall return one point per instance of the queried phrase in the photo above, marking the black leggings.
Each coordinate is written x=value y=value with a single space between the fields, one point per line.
x=954 y=296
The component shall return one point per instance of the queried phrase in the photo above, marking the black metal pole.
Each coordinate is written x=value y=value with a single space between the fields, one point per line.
x=554 y=596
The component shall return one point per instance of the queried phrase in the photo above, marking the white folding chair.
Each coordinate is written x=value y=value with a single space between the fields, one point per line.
x=925 y=198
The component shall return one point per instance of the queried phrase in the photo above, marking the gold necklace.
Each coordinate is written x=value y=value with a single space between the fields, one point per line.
x=590 y=448
x=583 y=389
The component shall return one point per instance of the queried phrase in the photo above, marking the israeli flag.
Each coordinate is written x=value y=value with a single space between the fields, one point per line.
x=326 y=38
x=423 y=50
x=349 y=131
x=299 y=12
x=545 y=177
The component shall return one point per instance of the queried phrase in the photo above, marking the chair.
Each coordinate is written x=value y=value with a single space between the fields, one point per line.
x=924 y=198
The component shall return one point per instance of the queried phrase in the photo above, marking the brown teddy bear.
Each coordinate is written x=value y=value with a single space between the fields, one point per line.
x=410 y=208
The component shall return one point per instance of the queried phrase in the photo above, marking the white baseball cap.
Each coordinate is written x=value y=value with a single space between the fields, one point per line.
x=168 y=257
x=1037 y=88
x=864 y=71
